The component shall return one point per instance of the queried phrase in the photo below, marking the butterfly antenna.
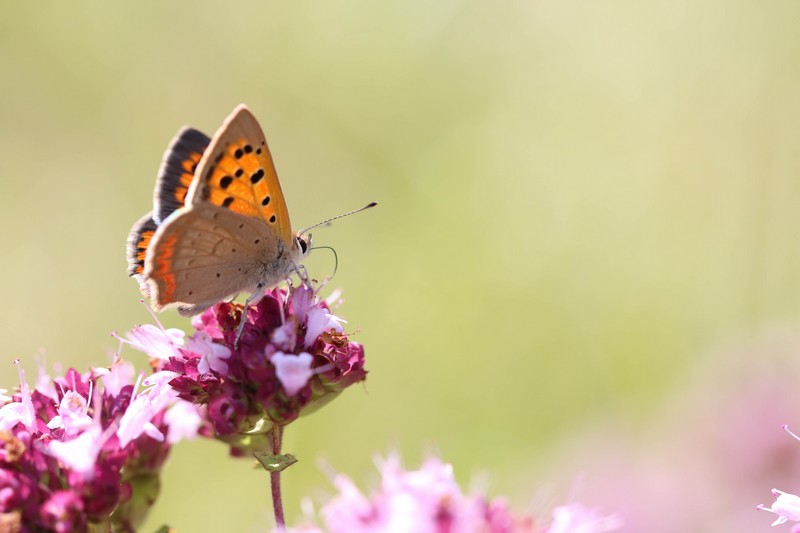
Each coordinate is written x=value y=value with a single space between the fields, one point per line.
x=335 y=256
x=324 y=222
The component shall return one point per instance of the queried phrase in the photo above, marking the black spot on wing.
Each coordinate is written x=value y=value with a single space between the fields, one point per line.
x=257 y=176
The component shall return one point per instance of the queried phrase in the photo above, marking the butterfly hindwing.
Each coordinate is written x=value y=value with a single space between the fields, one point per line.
x=138 y=241
x=238 y=174
x=204 y=254
x=177 y=171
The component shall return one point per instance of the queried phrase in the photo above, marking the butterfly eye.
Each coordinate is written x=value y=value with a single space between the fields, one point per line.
x=304 y=243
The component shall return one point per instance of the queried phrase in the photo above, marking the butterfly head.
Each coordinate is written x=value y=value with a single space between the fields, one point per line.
x=302 y=242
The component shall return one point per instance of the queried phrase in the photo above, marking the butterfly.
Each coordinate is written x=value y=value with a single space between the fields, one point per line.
x=219 y=225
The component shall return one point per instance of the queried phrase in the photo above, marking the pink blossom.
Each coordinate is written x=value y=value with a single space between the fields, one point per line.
x=293 y=371
x=284 y=337
x=786 y=506
x=72 y=415
x=304 y=298
x=212 y=354
x=321 y=321
x=184 y=420
x=80 y=454
x=156 y=342
x=118 y=376
x=20 y=411
x=144 y=406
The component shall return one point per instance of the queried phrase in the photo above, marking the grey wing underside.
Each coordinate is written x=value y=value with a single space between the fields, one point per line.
x=205 y=254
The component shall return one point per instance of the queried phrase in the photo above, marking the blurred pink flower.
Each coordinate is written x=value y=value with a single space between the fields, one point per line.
x=710 y=454
x=577 y=518
x=429 y=500
x=79 y=454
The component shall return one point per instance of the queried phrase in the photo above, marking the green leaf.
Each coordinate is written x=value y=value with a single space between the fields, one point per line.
x=275 y=463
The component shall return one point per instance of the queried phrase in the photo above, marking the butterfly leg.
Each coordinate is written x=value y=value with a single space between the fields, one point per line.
x=253 y=298
x=302 y=273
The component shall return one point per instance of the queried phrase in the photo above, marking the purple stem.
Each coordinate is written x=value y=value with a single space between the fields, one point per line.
x=275 y=480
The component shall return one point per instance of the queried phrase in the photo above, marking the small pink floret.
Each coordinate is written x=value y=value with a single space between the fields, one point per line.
x=184 y=421
x=145 y=406
x=786 y=506
x=118 y=376
x=213 y=355
x=80 y=453
x=72 y=414
x=319 y=322
x=19 y=412
x=156 y=342
x=293 y=371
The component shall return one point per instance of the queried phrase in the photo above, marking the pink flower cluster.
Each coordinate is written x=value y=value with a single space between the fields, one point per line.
x=429 y=500
x=83 y=452
x=293 y=356
x=85 y=449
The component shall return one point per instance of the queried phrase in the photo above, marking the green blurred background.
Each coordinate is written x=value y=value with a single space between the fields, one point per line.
x=580 y=201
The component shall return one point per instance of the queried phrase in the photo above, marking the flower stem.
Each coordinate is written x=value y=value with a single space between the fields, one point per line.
x=275 y=480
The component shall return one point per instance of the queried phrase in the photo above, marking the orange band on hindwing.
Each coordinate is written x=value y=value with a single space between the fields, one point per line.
x=162 y=271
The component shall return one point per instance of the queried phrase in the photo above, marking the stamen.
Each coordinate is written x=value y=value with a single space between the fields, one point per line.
x=21 y=374
x=335 y=299
x=789 y=431
x=153 y=314
x=136 y=387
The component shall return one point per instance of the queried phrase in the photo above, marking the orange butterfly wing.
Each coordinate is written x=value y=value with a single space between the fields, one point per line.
x=237 y=172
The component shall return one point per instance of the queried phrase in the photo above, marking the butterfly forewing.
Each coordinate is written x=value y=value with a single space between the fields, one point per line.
x=237 y=173
x=177 y=170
